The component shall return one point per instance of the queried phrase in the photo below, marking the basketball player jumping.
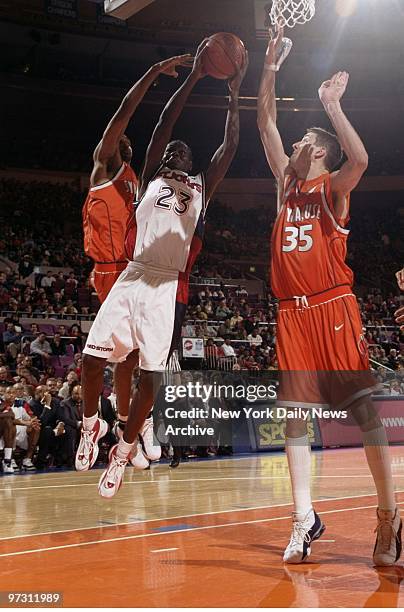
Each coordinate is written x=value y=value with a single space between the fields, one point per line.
x=106 y=212
x=140 y=311
x=321 y=351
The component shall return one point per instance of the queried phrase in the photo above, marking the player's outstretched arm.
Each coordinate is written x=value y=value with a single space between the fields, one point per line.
x=115 y=129
x=266 y=106
x=345 y=179
x=163 y=130
x=223 y=157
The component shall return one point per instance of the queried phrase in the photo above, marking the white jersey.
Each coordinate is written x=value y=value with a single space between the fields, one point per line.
x=167 y=217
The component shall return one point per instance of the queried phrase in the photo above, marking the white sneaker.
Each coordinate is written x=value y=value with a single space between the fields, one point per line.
x=305 y=531
x=111 y=479
x=387 y=549
x=87 y=451
x=7 y=467
x=146 y=436
x=14 y=464
x=138 y=459
x=28 y=465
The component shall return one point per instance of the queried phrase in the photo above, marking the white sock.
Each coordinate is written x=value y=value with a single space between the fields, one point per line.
x=299 y=460
x=377 y=452
x=89 y=422
x=123 y=449
x=8 y=454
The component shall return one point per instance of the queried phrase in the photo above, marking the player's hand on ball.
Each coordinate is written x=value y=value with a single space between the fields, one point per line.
x=274 y=44
x=400 y=279
x=169 y=66
x=333 y=89
x=198 y=68
x=235 y=82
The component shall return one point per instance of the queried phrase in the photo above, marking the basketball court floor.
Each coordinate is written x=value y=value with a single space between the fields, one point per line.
x=208 y=534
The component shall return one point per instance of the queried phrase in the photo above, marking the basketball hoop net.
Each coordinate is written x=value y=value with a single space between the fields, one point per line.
x=288 y=13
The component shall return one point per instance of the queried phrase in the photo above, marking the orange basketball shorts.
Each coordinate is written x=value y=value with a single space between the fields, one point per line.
x=104 y=276
x=321 y=350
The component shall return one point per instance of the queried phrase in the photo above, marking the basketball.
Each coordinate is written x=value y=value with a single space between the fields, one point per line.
x=223 y=55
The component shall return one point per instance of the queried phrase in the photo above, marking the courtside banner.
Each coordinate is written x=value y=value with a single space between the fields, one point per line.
x=269 y=434
x=391 y=412
x=193 y=348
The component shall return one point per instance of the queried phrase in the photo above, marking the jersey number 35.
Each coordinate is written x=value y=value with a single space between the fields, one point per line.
x=298 y=237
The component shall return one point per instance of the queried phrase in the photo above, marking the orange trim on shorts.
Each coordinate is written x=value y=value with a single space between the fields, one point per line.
x=316 y=299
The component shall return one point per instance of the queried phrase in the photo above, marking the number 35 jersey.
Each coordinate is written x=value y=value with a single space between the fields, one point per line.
x=167 y=228
x=308 y=243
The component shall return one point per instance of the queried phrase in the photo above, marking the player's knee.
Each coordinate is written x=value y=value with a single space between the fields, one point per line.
x=365 y=414
x=149 y=382
x=92 y=365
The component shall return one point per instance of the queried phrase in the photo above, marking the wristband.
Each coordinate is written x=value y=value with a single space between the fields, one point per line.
x=281 y=55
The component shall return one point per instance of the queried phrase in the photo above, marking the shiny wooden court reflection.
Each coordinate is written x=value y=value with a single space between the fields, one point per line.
x=210 y=533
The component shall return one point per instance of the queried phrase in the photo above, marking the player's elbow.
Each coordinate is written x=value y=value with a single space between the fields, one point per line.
x=364 y=162
x=360 y=162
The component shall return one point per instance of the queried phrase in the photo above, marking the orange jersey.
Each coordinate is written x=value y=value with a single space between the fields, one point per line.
x=106 y=213
x=308 y=244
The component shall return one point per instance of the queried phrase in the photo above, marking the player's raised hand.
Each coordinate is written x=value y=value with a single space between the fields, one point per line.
x=333 y=89
x=235 y=82
x=198 y=69
x=400 y=279
x=274 y=45
x=169 y=66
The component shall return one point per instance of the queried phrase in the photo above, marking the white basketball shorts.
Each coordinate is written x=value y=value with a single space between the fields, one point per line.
x=139 y=313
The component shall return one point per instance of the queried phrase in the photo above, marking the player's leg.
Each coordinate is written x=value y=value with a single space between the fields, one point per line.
x=93 y=428
x=109 y=338
x=154 y=299
x=307 y=525
x=123 y=374
x=387 y=549
x=355 y=394
x=147 y=449
x=298 y=387
x=140 y=407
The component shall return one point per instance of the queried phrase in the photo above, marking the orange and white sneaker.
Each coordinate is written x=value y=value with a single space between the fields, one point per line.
x=111 y=479
x=87 y=451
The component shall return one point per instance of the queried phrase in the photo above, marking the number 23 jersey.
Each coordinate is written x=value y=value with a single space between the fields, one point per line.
x=169 y=221
x=308 y=243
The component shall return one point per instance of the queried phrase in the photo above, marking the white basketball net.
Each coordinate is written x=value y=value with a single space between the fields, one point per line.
x=288 y=13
